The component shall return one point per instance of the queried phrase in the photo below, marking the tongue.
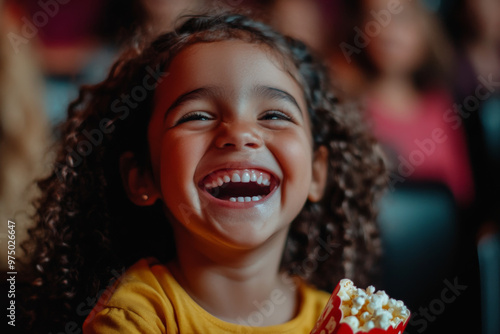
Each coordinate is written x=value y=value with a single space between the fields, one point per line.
x=233 y=189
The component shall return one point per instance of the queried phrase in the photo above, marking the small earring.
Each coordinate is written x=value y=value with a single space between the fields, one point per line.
x=145 y=197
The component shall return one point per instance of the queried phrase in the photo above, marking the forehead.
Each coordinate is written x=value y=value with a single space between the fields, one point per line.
x=233 y=66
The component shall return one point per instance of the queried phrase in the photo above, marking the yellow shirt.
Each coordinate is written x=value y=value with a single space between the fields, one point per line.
x=147 y=299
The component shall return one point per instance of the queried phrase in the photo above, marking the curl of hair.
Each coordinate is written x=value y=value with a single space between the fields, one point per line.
x=88 y=231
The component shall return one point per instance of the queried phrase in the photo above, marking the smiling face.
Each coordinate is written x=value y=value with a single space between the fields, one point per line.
x=230 y=144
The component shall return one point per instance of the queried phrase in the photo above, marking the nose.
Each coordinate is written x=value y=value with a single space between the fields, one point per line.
x=239 y=135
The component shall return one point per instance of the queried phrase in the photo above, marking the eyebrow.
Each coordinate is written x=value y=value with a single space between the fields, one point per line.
x=211 y=92
x=195 y=94
x=276 y=94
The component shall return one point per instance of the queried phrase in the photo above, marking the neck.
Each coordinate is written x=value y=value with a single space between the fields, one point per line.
x=398 y=94
x=231 y=283
x=390 y=81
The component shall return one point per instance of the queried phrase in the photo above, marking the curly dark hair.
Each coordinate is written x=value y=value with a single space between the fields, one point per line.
x=86 y=228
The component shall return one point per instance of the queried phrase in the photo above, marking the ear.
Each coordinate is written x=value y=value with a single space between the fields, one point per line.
x=138 y=183
x=319 y=174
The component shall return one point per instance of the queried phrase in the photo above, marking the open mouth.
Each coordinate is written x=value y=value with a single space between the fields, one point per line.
x=246 y=185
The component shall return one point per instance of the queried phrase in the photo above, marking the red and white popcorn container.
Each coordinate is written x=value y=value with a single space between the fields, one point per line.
x=386 y=315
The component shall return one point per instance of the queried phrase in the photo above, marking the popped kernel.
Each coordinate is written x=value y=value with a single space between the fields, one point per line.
x=346 y=310
x=368 y=325
x=404 y=312
x=359 y=301
x=352 y=321
x=383 y=320
x=361 y=293
x=343 y=296
x=365 y=316
x=383 y=297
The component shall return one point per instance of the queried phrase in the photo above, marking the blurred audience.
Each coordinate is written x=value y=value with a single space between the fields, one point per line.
x=68 y=44
x=76 y=42
x=426 y=217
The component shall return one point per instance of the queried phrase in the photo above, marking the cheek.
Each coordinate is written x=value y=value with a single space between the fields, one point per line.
x=179 y=158
x=415 y=44
x=294 y=153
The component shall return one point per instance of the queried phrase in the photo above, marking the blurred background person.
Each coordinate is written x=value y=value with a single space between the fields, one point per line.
x=474 y=28
x=24 y=141
x=407 y=66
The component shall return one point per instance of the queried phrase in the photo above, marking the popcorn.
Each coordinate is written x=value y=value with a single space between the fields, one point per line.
x=355 y=310
x=376 y=309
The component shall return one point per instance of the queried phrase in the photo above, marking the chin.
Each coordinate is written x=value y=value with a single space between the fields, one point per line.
x=246 y=235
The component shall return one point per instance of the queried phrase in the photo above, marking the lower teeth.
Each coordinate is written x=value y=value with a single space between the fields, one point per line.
x=245 y=199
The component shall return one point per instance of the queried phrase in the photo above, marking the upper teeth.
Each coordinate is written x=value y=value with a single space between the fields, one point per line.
x=243 y=176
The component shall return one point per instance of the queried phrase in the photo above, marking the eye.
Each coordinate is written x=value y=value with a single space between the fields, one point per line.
x=277 y=115
x=195 y=116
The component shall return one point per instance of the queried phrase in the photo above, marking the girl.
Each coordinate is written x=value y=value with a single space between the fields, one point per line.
x=406 y=67
x=219 y=162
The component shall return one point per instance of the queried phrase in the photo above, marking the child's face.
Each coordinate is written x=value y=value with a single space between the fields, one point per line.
x=227 y=111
